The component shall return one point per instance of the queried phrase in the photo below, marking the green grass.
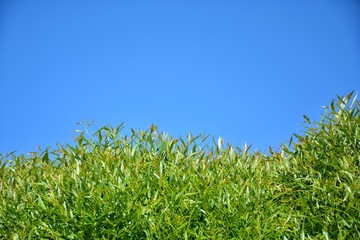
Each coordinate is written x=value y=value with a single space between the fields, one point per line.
x=148 y=185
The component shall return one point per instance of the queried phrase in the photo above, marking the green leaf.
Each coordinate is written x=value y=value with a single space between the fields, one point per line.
x=332 y=106
x=307 y=119
x=41 y=203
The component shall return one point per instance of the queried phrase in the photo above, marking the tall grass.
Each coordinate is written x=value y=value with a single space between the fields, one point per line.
x=148 y=185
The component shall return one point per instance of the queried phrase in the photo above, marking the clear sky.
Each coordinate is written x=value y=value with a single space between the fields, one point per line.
x=243 y=70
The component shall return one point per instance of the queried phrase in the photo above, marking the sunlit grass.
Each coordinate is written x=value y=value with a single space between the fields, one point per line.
x=148 y=185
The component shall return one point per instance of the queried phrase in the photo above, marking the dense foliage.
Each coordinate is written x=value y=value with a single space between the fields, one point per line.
x=148 y=185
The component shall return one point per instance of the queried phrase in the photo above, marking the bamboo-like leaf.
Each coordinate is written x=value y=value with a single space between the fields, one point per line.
x=332 y=106
x=307 y=119
x=41 y=203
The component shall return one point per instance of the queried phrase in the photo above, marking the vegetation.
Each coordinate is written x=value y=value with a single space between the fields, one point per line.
x=148 y=185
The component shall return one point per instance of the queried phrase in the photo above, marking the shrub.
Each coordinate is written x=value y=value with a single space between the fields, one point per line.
x=148 y=185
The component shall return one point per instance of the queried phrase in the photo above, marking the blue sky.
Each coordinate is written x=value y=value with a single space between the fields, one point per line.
x=243 y=70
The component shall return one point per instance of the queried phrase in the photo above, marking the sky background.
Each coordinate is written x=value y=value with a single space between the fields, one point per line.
x=243 y=70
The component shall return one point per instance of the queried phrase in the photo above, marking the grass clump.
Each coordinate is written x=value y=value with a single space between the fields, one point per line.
x=148 y=185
